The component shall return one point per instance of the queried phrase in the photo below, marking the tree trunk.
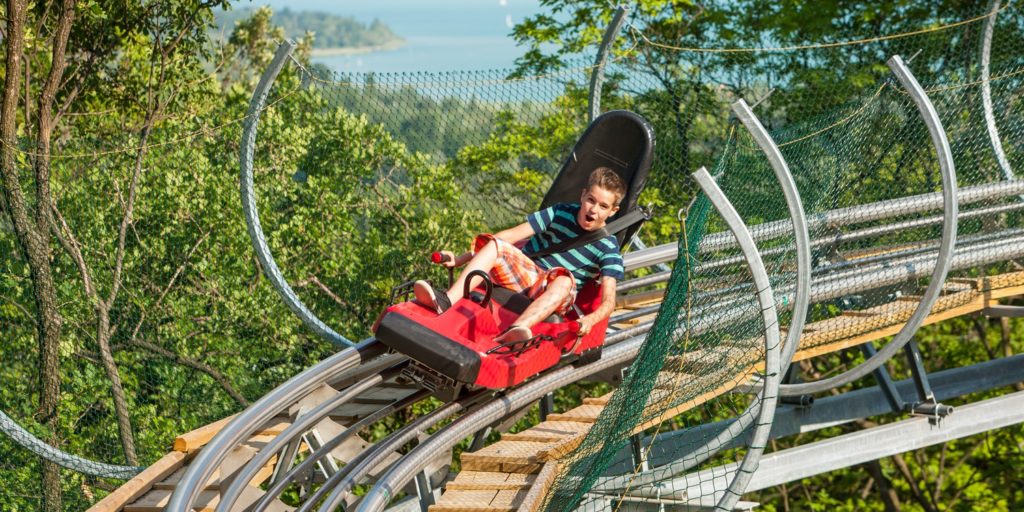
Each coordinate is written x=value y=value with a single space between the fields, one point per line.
x=124 y=425
x=33 y=240
x=885 y=490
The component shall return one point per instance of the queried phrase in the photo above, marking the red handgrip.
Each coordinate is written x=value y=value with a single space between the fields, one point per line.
x=438 y=257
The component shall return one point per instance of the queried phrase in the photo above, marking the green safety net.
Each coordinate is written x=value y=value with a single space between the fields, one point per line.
x=864 y=164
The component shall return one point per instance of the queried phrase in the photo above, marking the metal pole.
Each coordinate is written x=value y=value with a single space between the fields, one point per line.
x=986 y=93
x=252 y=216
x=769 y=316
x=945 y=254
x=838 y=217
x=597 y=75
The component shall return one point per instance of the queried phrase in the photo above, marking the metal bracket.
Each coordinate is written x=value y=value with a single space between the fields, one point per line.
x=1004 y=311
x=427 y=494
x=884 y=380
x=479 y=438
x=547 y=406
x=636 y=447
x=926 y=404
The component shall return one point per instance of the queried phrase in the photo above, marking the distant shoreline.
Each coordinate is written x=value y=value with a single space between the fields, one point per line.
x=356 y=50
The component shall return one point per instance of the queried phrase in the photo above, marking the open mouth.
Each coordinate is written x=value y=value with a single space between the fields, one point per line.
x=589 y=217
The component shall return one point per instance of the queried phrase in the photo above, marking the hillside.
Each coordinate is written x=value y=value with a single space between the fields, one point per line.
x=333 y=33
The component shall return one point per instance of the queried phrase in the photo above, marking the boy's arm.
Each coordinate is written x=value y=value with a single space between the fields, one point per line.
x=604 y=310
x=516 y=233
x=511 y=235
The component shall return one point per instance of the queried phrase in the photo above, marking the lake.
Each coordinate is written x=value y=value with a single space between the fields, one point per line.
x=440 y=36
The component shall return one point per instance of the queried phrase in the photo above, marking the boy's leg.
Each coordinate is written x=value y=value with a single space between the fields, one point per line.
x=550 y=301
x=483 y=260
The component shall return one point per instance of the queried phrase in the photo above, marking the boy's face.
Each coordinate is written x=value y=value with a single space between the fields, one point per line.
x=596 y=205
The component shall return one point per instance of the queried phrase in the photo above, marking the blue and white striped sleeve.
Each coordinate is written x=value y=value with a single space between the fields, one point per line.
x=611 y=261
x=540 y=221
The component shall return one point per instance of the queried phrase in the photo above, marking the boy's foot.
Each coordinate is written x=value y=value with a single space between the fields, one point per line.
x=431 y=298
x=514 y=334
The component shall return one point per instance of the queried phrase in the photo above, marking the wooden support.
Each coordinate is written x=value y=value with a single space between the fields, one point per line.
x=140 y=483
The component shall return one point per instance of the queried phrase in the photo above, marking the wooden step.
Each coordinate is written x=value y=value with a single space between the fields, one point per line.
x=489 y=480
x=598 y=400
x=506 y=456
x=585 y=413
x=480 y=501
x=550 y=431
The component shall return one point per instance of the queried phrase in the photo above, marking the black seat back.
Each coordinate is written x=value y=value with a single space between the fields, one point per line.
x=619 y=139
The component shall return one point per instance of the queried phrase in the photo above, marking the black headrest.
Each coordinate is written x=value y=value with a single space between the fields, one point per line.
x=619 y=139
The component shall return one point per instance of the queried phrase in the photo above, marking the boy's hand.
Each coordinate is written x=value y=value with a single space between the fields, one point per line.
x=446 y=258
x=586 y=324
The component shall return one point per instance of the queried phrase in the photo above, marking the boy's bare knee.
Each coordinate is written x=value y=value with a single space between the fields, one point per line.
x=562 y=284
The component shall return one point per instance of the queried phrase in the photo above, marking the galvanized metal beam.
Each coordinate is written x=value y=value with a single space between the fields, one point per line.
x=859 y=447
x=848 y=407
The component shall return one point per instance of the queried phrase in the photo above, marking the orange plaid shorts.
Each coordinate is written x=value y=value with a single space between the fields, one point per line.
x=517 y=272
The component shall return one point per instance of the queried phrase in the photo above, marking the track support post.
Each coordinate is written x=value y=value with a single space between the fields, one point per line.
x=926 y=404
x=547 y=406
x=885 y=382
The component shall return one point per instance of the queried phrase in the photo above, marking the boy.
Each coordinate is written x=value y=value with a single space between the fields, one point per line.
x=550 y=280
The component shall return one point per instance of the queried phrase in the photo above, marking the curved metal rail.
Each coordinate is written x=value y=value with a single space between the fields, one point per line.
x=252 y=216
x=771 y=338
x=380 y=495
x=347 y=364
x=947 y=169
x=597 y=75
x=44 y=451
x=800 y=304
x=986 y=93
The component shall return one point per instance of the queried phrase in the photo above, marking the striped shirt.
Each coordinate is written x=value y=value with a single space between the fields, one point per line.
x=556 y=223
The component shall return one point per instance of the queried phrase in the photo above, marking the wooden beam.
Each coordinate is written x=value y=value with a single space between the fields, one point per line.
x=141 y=483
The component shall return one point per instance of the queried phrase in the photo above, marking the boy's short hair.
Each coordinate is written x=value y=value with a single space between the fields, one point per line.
x=609 y=180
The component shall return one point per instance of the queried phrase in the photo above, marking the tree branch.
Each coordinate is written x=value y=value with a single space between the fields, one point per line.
x=196 y=365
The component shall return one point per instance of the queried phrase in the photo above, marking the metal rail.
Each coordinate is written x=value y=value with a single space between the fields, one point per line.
x=597 y=74
x=252 y=216
x=348 y=363
x=445 y=439
x=839 y=217
x=771 y=334
x=302 y=424
x=986 y=93
x=944 y=257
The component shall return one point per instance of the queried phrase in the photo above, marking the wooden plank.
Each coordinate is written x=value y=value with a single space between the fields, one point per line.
x=561 y=448
x=549 y=431
x=468 y=501
x=842 y=343
x=861 y=314
x=598 y=400
x=138 y=485
x=637 y=299
x=583 y=414
x=192 y=441
x=489 y=480
x=514 y=452
x=196 y=439
x=533 y=500
x=696 y=401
